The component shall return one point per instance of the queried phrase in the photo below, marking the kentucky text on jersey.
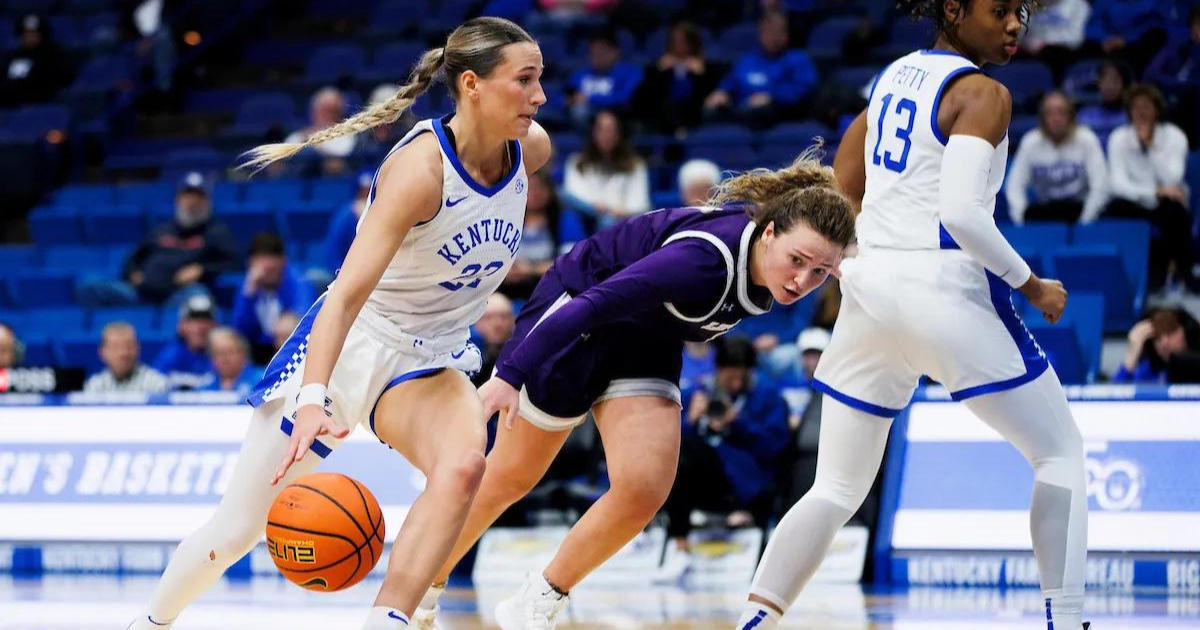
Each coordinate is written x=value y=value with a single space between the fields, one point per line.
x=484 y=231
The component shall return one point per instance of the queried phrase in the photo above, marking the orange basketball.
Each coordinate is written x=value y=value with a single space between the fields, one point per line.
x=325 y=532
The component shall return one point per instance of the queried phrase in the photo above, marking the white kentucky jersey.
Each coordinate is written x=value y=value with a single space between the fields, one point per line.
x=439 y=281
x=903 y=153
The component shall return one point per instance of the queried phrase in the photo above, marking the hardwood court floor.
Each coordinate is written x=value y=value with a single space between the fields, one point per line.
x=108 y=603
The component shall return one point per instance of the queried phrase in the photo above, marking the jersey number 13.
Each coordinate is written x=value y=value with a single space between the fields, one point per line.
x=897 y=122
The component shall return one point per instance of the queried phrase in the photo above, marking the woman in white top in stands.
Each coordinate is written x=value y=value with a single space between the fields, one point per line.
x=1147 y=159
x=1063 y=163
x=608 y=179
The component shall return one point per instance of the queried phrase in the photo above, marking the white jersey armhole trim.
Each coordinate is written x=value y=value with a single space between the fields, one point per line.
x=725 y=253
x=744 y=273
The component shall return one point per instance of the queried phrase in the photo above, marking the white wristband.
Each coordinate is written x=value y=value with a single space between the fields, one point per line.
x=311 y=394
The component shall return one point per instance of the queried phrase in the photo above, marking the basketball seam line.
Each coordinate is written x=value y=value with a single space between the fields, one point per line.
x=341 y=507
x=367 y=509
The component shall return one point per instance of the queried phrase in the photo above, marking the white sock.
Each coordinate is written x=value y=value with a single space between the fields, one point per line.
x=756 y=616
x=385 y=618
x=430 y=600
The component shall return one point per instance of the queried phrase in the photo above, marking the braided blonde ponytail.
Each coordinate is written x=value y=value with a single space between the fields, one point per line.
x=477 y=45
x=384 y=113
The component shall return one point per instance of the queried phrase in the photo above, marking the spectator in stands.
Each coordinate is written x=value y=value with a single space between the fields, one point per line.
x=120 y=352
x=178 y=258
x=1063 y=163
x=607 y=83
x=767 y=85
x=272 y=287
x=697 y=178
x=156 y=45
x=494 y=327
x=284 y=326
x=1133 y=30
x=344 y=224
x=677 y=84
x=539 y=238
x=1109 y=113
x=1056 y=32
x=185 y=361
x=1163 y=348
x=327 y=108
x=734 y=430
x=607 y=180
x=231 y=368
x=37 y=69
x=1147 y=159
x=11 y=349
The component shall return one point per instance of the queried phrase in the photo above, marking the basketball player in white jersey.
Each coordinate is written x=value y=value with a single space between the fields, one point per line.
x=929 y=293
x=388 y=343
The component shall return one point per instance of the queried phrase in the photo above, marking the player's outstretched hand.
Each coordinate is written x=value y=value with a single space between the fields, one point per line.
x=311 y=421
x=498 y=395
x=1048 y=296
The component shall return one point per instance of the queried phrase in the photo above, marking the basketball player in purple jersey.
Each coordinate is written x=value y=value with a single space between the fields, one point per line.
x=604 y=331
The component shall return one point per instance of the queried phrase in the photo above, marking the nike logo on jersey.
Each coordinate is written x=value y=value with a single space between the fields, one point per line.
x=450 y=203
x=392 y=615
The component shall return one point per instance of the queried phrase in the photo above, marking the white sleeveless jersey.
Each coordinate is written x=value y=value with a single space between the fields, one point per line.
x=903 y=152
x=438 y=283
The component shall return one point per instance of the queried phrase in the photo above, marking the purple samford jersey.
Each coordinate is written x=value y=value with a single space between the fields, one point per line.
x=679 y=273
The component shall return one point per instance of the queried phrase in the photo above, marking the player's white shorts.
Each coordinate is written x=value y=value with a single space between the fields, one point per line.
x=923 y=312
x=366 y=368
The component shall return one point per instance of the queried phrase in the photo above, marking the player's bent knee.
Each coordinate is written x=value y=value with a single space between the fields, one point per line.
x=643 y=499
x=463 y=473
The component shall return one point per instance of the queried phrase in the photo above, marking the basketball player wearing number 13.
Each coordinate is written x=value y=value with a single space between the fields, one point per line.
x=930 y=293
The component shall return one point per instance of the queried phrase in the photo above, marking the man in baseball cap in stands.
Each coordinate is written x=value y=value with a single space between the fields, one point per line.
x=180 y=257
x=185 y=361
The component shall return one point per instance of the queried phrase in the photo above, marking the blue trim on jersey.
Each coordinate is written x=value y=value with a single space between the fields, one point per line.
x=317 y=447
x=283 y=365
x=937 y=99
x=415 y=374
x=945 y=241
x=1031 y=354
x=936 y=51
x=850 y=401
x=486 y=191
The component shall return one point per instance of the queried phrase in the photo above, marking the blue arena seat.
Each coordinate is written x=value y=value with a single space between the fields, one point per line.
x=146 y=195
x=1026 y=80
x=80 y=350
x=247 y=220
x=277 y=192
x=334 y=190
x=1098 y=269
x=1132 y=240
x=1037 y=237
x=1062 y=349
x=101 y=74
x=36 y=289
x=56 y=225
x=796 y=135
x=825 y=41
x=33 y=122
x=142 y=318
x=332 y=62
x=305 y=223
x=118 y=224
x=75 y=258
x=727 y=135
